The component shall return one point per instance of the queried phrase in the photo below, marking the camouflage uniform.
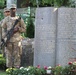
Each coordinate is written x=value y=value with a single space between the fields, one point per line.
x=5 y=14
x=14 y=47
x=2 y=29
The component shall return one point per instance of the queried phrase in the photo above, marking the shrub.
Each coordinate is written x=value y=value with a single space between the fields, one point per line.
x=2 y=62
x=26 y=71
x=57 y=70
x=70 y=69
x=30 y=28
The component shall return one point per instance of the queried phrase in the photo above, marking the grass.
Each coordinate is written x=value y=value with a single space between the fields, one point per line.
x=3 y=73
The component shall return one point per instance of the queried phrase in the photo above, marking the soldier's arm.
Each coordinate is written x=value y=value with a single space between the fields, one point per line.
x=4 y=27
x=22 y=27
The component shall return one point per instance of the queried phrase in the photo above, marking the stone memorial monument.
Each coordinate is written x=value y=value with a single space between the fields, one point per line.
x=45 y=37
x=66 y=36
x=55 y=36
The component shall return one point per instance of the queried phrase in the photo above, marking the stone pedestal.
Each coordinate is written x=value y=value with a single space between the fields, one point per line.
x=27 y=53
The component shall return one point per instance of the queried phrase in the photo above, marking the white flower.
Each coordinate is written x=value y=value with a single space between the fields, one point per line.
x=27 y=69
x=21 y=67
x=48 y=71
x=49 y=67
x=74 y=63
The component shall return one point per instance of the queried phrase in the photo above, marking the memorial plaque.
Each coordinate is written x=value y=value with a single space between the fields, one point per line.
x=66 y=36
x=45 y=33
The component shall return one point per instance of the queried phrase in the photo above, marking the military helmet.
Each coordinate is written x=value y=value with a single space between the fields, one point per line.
x=6 y=9
x=13 y=6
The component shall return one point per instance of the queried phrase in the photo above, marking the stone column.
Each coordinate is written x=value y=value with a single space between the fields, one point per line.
x=66 y=36
x=45 y=36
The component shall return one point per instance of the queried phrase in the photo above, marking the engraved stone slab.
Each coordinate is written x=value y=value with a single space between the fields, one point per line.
x=45 y=33
x=66 y=36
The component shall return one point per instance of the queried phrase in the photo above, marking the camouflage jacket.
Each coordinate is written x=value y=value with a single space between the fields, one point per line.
x=8 y=23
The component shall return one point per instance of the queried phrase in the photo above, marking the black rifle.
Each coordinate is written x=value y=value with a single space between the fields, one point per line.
x=9 y=34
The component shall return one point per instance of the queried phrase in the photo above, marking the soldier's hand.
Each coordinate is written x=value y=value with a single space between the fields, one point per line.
x=16 y=29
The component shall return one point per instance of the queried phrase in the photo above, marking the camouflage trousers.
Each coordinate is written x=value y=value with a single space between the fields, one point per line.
x=13 y=54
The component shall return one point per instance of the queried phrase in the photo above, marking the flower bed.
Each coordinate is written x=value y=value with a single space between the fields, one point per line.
x=26 y=71
x=70 y=69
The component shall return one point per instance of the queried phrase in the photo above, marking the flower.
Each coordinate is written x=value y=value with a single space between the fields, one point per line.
x=70 y=63
x=58 y=65
x=21 y=67
x=49 y=68
x=45 y=67
x=38 y=66
x=17 y=66
x=74 y=63
x=48 y=71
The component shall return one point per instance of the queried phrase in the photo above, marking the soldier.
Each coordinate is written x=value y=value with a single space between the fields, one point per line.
x=6 y=13
x=14 y=47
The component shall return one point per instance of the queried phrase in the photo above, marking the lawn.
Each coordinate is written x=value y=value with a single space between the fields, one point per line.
x=3 y=73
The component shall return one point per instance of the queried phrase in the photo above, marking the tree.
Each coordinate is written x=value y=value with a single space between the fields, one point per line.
x=46 y=3
x=2 y=4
